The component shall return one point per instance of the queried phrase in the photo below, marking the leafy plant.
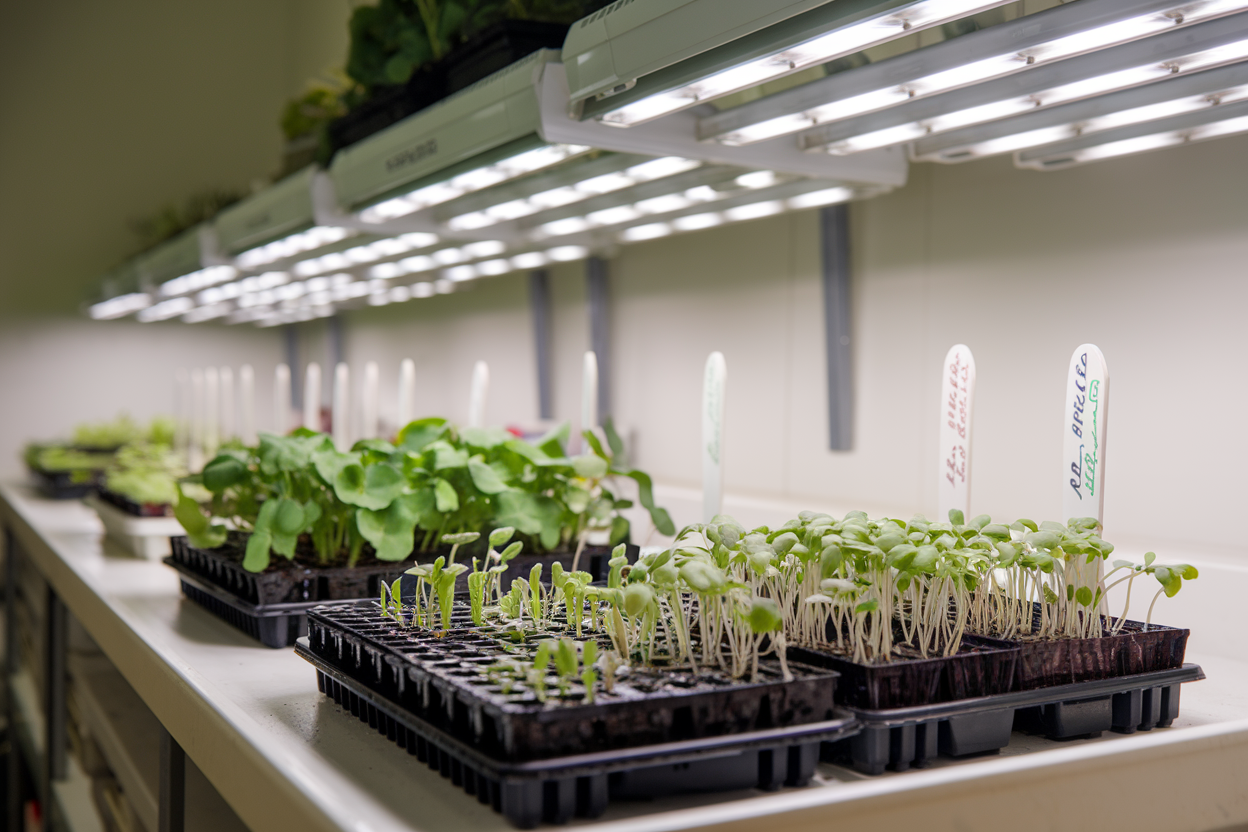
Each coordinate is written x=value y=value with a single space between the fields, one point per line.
x=146 y=473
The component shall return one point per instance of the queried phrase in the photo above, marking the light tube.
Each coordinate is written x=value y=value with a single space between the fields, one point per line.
x=474 y=180
x=120 y=306
x=651 y=231
x=166 y=309
x=1084 y=88
x=461 y=273
x=196 y=280
x=1141 y=144
x=562 y=254
x=530 y=260
x=557 y=197
x=290 y=246
x=696 y=222
x=422 y=290
x=1122 y=118
x=399 y=294
x=976 y=72
x=844 y=41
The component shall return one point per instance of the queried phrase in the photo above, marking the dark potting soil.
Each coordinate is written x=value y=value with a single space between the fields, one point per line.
x=457 y=680
x=124 y=503
x=1134 y=650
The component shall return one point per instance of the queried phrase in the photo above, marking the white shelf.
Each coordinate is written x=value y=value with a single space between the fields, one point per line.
x=285 y=757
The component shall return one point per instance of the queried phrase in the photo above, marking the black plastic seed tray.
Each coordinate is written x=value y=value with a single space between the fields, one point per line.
x=556 y=789
x=900 y=738
x=273 y=625
x=458 y=680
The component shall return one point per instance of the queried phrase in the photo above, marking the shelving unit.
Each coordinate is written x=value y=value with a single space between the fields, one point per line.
x=285 y=757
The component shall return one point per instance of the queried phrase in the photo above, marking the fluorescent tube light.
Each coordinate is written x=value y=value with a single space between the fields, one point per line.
x=815 y=199
x=1084 y=88
x=196 y=280
x=1138 y=144
x=120 y=306
x=695 y=222
x=291 y=246
x=651 y=231
x=166 y=309
x=422 y=290
x=471 y=181
x=977 y=71
x=461 y=273
x=561 y=254
x=399 y=294
x=844 y=41
x=491 y=268
x=530 y=260
x=207 y=313
x=754 y=210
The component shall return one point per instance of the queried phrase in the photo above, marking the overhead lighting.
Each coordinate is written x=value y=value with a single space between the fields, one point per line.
x=568 y=194
x=1084 y=88
x=166 y=309
x=1089 y=126
x=196 y=280
x=1058 y=159
x=650 y=231
x=443 y=286
x=422 y=290
x=748 y=211
x=835 y=44
x=462 y=273
x=817 y=199
x=207 y=313
x=474 y=180
x=120 y=306
x=291 y=246
x=983 y=69
x=529 y=260
x=562 y=254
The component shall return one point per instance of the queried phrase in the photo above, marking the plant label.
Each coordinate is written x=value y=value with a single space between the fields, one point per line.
x=312 y=397
x=182 y=387
x=341 y=403
x=476 y=398
x=1083 y=445
x=407 y=392
x=957 y=402
x=368 y=409
x=281 y=400
x=713 y=381
x=211 y=403
x=247 y=404
x=589 y=395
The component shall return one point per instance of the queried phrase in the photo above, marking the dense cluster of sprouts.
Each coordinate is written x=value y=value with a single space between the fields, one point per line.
x=722 y=597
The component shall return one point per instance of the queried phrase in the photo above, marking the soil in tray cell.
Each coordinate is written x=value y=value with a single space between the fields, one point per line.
x=476 y=684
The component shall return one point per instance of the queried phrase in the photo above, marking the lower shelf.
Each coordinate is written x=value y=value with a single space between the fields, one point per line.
x=555 y=790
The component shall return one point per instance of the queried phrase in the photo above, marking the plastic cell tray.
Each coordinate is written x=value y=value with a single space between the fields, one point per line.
x=902 y=738
x=556 y=789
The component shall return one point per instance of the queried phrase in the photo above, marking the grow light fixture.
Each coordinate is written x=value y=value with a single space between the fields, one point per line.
x=1225 y=42
x=841 y=31
x=1185 y=128
x=196 y=280
x=120 y=306
x=478 y=179
x=738 y=213
x=290 y=246
x=166 y=309
x=1205 y=91
x=1021 y=44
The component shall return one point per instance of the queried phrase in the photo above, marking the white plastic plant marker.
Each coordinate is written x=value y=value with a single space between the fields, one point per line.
x=407 y=392
x=957 y=403
x=247 y=404
x=312 y=397
x=227 y=404
x=713 y=381
x=342 y=403
x=1084 y=426
x=477 y=396
x=368 y=409
x=281 y=400
x=211 y=404
x=195 y=450
x=589 y=395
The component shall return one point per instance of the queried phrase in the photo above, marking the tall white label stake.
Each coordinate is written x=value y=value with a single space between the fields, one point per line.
x=589 y=396
x=211 y=405
x=480 y=390
x=368 y=414
x=312 y=397
x=227 y=403
x=281 y=400
x=407 y=392
x=247 y=404
x=957 y=403
x=182 y=411
x=342 y=403
x=1085 y=424
x=713 y=381
x=195 y=451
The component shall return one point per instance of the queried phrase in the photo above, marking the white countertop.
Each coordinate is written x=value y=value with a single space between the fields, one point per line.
x=286 y=757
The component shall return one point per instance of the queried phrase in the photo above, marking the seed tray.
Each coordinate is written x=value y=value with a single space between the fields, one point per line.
x=556 y=789
x=450 y=680
x=983 y=667
x=900 y=738
x=65 y=485
x=131 y=507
